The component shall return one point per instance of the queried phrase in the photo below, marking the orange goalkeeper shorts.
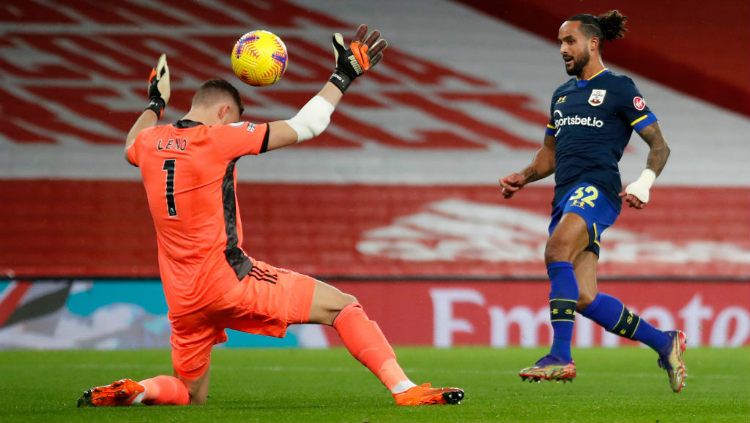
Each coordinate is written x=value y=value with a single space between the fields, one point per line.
x=265 y=302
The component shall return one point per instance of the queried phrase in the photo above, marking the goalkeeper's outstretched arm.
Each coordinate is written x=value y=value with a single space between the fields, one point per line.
x=364 y=52
x=158 y=94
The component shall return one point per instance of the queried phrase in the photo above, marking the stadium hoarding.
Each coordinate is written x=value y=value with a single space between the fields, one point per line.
x=93 y=229
x=111 y=314
x=515 y=313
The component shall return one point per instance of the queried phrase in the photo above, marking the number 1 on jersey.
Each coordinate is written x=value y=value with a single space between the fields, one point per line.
x=169 y=166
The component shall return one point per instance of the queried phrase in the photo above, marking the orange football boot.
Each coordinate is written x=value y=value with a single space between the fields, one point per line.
x=117 y=394
x=425 y=394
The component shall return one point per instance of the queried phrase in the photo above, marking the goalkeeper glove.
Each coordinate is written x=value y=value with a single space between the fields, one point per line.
x=358 y=58
x=158 y=87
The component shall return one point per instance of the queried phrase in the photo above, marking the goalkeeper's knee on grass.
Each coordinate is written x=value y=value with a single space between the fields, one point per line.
x=165 y=390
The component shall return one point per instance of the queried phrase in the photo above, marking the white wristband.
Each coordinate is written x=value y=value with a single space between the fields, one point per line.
x=312 y=119
x=641 y=186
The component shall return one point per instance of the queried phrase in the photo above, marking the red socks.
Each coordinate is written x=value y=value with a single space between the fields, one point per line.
x=366 y=342
x=165 y=390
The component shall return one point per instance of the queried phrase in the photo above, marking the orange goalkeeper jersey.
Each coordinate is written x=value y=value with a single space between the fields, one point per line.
x=188 y=170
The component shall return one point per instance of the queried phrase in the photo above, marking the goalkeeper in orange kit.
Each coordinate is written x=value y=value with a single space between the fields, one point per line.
x=210 y=283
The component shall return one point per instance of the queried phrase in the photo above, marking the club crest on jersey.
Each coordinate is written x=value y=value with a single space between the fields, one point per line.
x=597 y=97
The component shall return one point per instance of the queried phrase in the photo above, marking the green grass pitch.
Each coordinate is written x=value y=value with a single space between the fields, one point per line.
x=293 y=385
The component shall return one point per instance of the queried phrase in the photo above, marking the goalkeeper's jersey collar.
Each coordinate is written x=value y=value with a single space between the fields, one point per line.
x=186 y=123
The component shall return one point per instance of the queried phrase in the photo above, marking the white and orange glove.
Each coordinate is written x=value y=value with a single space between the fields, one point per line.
x=158 y=87
x=362 y=54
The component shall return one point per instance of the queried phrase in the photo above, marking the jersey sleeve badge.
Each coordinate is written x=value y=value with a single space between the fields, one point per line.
x=639 y=103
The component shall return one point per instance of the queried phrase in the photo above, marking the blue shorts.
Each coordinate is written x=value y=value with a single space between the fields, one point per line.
x=595 y=208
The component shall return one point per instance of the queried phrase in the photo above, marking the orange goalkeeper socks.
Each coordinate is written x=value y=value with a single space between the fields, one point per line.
x=165 y=390
x=366 y=342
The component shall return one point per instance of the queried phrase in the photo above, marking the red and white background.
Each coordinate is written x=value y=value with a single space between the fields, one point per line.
x=397 y=202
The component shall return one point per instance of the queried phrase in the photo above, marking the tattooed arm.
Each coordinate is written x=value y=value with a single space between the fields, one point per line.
x=541 y=167
x=659 y=150
x=637 y=193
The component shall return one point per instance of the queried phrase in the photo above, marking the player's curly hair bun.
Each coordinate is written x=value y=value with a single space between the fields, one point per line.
x=608 y=26
x=612 y=24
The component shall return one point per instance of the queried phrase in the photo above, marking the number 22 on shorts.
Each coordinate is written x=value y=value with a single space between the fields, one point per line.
x=584 y=196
